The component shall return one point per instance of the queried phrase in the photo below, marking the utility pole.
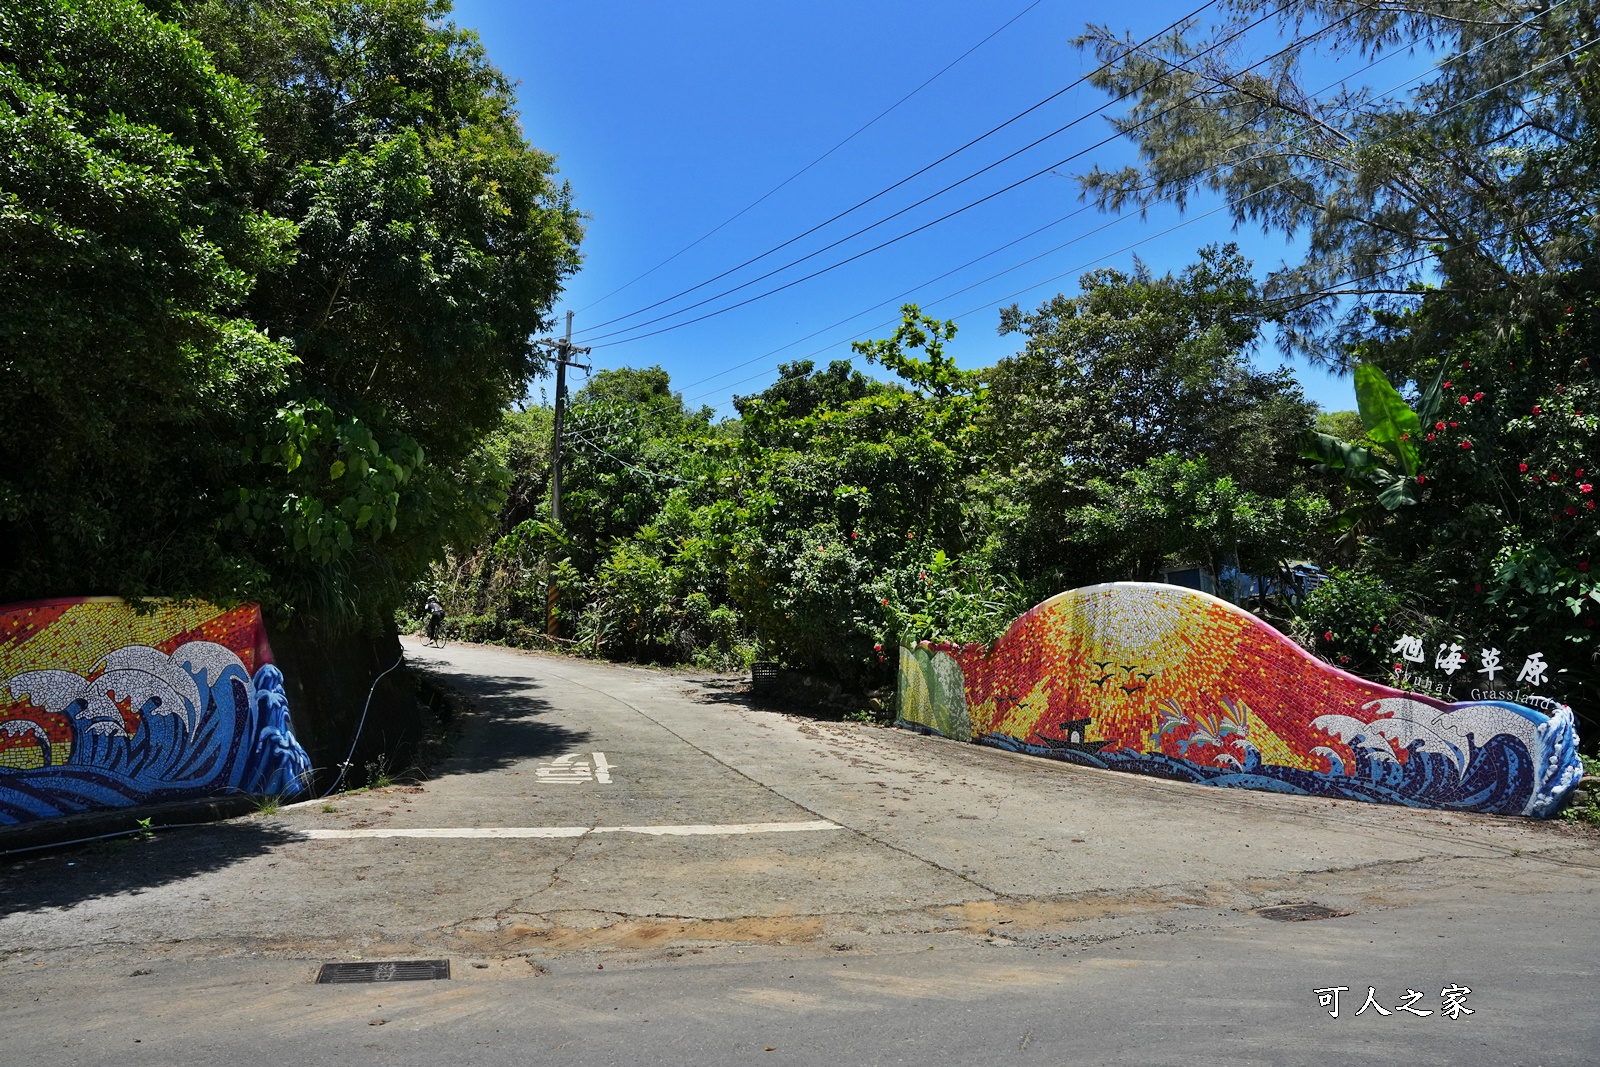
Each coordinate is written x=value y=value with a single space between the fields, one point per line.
x=564 y=351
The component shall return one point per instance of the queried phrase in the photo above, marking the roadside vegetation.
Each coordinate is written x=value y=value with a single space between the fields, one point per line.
x=274 y=270
x=1449 y=267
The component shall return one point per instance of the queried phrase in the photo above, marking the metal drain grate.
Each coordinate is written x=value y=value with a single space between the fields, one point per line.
x=384 y=971
x=1298 y=913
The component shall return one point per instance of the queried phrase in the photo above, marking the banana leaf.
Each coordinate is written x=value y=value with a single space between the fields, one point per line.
x=1389 y=420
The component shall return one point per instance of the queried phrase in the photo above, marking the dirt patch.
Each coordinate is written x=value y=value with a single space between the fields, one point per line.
x=633 y=934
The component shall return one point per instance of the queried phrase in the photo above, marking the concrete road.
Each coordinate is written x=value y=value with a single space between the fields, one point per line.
x=629 y=866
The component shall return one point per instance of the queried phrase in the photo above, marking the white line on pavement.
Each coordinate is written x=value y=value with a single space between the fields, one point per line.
x=692 y=830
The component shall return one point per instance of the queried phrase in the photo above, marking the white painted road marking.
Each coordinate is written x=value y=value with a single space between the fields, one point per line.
x=692 y=830
x=562 y=769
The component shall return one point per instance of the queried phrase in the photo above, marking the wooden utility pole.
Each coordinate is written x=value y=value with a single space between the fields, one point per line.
x=565 y=350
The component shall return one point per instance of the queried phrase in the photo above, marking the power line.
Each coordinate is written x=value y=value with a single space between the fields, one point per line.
x=1298 y=42
x=1421 y=119
x=942 y=218
x=883 y=192
x=991 y=303
x=857 y=132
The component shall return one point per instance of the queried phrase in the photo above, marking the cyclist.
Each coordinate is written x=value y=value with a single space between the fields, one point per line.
x=435 y=612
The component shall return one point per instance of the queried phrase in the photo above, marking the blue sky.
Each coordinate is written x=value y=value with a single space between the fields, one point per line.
x=669 y=119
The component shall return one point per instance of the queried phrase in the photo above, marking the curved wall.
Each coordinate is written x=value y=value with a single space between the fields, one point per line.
x=1163 y=680
x=105 y=706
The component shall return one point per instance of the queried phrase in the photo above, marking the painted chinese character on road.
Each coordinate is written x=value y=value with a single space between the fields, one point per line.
x=569 y=770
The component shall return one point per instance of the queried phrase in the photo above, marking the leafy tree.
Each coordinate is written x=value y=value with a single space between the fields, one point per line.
x=131 y=371
x=936 y=375
x=1134 y=368
x=801 y=390
x=279 y=264
x=1483 y=170
x=1176 y=508
x=432 y=241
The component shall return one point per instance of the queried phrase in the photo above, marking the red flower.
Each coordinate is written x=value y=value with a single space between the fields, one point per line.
x=1523 y=467
x=1555 y=477
x=1375 y=627
x=1421 y=479
x=1430 y=437
x=1477 y=396
x=1589 y=504
x=1328 y=636
x=1344 y=659
x=1447 y=385
x=877 y=648
x=1466 y=444
x=854 y=534
x=924 y=575
x=1438 y=425
x=1465 y=400
x=1585 y=488
x=1572 y=511
x=1405 y=437
x=1583 y=565
x=885 y=603
x=1454 y=424
x=1466 y=364
x=1578 y=473
x=1536 y=409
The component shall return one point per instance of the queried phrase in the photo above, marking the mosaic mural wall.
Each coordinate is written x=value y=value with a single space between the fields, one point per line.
x=1162 y=680
x=102 y=706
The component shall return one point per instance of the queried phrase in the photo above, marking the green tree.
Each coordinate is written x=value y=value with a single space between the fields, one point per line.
x=1176 y=508
x=432 y=242
x=279 y=265
x=1134 y=368
x=1483 y=170
x=132 y=373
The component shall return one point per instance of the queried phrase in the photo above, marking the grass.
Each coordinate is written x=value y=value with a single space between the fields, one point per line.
x=1585 y=806
x=379 y=774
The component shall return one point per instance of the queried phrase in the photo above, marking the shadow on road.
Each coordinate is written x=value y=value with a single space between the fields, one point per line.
x=127 y=866
x=500 y=725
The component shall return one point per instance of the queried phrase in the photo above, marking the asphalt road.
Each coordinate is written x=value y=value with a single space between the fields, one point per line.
x=629 y=866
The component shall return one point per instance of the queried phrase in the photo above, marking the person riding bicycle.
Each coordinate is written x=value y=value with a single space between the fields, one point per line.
x=435 y=612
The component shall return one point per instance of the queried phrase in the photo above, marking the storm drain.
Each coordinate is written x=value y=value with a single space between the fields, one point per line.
x=1298 y=913
x=385 y=971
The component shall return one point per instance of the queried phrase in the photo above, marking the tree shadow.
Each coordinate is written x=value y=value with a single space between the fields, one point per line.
x=72 y=874
x=499 y=724
x=808 y=700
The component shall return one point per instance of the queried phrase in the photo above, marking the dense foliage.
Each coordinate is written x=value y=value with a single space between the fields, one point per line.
x=838 y=515
x=272 y=273
x=1450 y=264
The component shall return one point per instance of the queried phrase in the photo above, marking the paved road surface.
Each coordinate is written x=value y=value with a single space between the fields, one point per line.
x=747 y=881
